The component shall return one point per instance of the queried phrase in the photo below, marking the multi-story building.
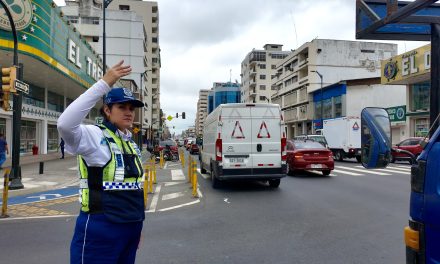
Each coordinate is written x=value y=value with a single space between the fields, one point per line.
x=202 y=111
x=319 y=63
x=257 y=71
x=132 y=29
x=223 y=93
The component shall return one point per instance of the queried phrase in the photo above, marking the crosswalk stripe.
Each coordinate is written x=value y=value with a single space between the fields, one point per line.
x=177 y=175
x=403 y=167
x=388 y=170
x=364 y=171
x=348 y=173
x=400 y=169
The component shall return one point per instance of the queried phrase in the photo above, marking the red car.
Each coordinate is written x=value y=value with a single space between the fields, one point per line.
x=173 y=146
x=194 y=149
x=308 y=155
x=412 y=145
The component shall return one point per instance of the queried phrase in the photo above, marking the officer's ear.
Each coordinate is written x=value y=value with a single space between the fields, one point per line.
x=106 y=110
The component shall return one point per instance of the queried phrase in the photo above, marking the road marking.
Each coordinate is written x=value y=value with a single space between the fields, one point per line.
x=318 y=173
x=365 y=171
x=27 y=183
x=172 y=183
x=44 y=195
x=153 y=204
x=178 y=206
x=401 y=169
x=348 y=173
x=172 y=196
x=177 y=175
x=385 y=170
x=166 y=165
x=36 y=217
x=204 y=175
x=73 y=168
x=226 y=200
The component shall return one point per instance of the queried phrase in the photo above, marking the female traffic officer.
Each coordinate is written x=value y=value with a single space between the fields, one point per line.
x=109 y=224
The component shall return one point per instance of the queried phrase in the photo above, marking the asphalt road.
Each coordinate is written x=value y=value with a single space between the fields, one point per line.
x=353 y=216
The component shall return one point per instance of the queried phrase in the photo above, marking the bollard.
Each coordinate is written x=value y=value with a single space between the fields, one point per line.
x=41 y=167
x=189 y=169
x=154 y=174
x=5 y=194
x=194 y=181
x=183 y=159
x=150 y=180
x=146 y=173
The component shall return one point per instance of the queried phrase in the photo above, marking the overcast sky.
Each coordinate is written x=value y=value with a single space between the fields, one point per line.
x=202 y=40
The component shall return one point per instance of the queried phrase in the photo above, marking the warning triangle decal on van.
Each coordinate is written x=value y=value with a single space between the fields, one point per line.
x=261 y=128
x=234 y=113
x=237 y=124
x=269 y=113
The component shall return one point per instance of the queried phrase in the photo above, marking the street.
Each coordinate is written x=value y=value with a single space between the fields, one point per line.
x=352 y=216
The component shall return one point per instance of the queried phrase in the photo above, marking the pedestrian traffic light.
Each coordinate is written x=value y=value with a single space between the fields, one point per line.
x=8 y=79
x=183 y=115
x=177 y=115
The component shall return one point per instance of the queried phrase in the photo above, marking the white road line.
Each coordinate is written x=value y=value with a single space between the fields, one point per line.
x=320 y=173
x=73 y=168
x=173 y=183
x=153 y=204
x=172 y=196
x=392 y=171
x=36 y=217
x=166 y=165
x=178 y=206
x=364 y=171
x=348 y=173
x=401 y=169
x=177 y=175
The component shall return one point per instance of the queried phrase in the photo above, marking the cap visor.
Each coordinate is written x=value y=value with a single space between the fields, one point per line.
x=135 y=103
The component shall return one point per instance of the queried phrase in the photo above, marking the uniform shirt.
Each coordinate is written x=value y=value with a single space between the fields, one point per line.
x=86 y=140
x=3 y=145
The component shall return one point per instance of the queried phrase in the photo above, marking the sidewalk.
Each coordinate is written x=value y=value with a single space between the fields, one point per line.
x=29 y=159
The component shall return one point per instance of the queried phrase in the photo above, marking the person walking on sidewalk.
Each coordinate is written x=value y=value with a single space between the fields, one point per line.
x=3 y=150
x=109 y=225
x=62 y=148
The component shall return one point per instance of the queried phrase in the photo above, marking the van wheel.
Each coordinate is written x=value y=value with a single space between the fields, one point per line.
x=214 y=181
x=202 y=169
x=274 y=183
x=289 y=171
x=339 y=156
x=326 y=172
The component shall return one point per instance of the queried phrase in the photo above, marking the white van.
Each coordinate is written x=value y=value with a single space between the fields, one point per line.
x=244 y=141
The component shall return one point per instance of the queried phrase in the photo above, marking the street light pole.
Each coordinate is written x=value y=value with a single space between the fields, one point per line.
x=322 y=99
x=105 y=4
x=141 y=92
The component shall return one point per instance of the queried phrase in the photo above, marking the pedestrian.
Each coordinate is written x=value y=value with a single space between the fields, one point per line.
x=62 y=148
x=3 y=150
x=109 y=224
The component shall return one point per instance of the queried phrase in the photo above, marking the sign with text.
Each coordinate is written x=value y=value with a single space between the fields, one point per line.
x=21 y=86
x=397 y=113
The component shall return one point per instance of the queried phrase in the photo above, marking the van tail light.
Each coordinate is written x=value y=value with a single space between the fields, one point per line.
x=283 y=149
x=218 y=149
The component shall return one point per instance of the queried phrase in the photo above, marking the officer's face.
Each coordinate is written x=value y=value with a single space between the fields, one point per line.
x=122 y=115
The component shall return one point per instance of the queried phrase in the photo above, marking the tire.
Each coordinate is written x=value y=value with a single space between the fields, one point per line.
x=214 y=181
x=326 y=172
x=339 y=156
x=289 y=171
x=274 y=183
x=393 y=159
x=202 y=169
x=358 y=158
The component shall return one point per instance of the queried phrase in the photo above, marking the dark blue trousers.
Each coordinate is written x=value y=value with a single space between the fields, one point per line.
x=97 y=241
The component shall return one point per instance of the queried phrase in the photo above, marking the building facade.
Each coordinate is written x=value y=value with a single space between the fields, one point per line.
x=132 y=33
x=223 y=93
x=297 y=75
x=413 y=70
x=257 y=71
x=202 y=111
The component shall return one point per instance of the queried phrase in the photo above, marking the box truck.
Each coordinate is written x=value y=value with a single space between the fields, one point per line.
x=343 y=136
x=244 y=141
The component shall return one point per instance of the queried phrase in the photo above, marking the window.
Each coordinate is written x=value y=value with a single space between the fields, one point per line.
x=55 y=102
x=72 y=19
x=273 y=67
x=278 y=56
x=274 y=88
x=263 y=98
x=318 y=110
x=52 y=137
x=420 y=96
x=338 y=106
x=262 y=66
x=257 y=56
x=95 y=38
x=154 y=40
x=327 y=108
x=367 y=51
x=124 y=7
x=262 y=87
x=93 y=113
x=90 y=20
x=28 y=136
x=35 y=96
x=68 y=101
x=262 y=77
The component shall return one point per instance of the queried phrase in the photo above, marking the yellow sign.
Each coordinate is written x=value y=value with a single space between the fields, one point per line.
x=136 y=130
x=409 y=67
x=170 y=118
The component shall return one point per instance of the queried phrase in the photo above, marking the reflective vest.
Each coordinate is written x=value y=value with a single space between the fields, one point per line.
x=109 y=189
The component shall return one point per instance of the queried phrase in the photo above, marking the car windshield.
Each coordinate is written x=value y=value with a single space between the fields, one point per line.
x=308 y=144
x=167 y=143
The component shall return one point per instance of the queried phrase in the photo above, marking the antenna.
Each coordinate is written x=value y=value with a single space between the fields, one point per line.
x=294 y=27
x=230 y=75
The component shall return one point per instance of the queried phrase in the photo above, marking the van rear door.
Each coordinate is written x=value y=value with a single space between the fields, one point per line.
x=236 y=137
x=266 y=137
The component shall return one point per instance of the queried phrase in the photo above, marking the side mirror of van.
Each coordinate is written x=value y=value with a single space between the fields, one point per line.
x=375 y=138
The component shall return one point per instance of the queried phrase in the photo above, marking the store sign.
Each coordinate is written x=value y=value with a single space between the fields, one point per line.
x=21 y=12
x=397 y=113
x=407 y=65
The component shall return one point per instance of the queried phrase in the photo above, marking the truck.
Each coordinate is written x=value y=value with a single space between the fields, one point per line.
x=343 y=137
x=422 y=235
x=244 y=141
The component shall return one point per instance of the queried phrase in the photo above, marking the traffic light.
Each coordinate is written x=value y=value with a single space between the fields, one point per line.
x=177 y=115
x=4 y=101
x=8 y=79
x=183 y=115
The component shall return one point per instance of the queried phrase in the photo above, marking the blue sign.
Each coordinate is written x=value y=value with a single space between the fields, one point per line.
x=43 y=196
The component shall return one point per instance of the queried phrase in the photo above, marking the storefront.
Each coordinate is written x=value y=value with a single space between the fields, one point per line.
x=412 y=69
x=58 y=64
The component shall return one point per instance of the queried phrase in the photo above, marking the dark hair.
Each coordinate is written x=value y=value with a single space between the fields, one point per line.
x=102 y=113
x=1 y=135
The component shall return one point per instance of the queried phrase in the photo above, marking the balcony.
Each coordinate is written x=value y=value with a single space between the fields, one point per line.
x=291 y=115
x=303 y=112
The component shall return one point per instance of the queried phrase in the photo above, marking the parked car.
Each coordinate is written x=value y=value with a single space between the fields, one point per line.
x=412 y=145
x=318 y=138
x=194 y=149
x=306 y=155
x=171 y=143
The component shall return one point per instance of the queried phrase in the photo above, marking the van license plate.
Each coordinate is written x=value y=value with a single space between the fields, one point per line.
x=316 y=166
x=236 y=160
